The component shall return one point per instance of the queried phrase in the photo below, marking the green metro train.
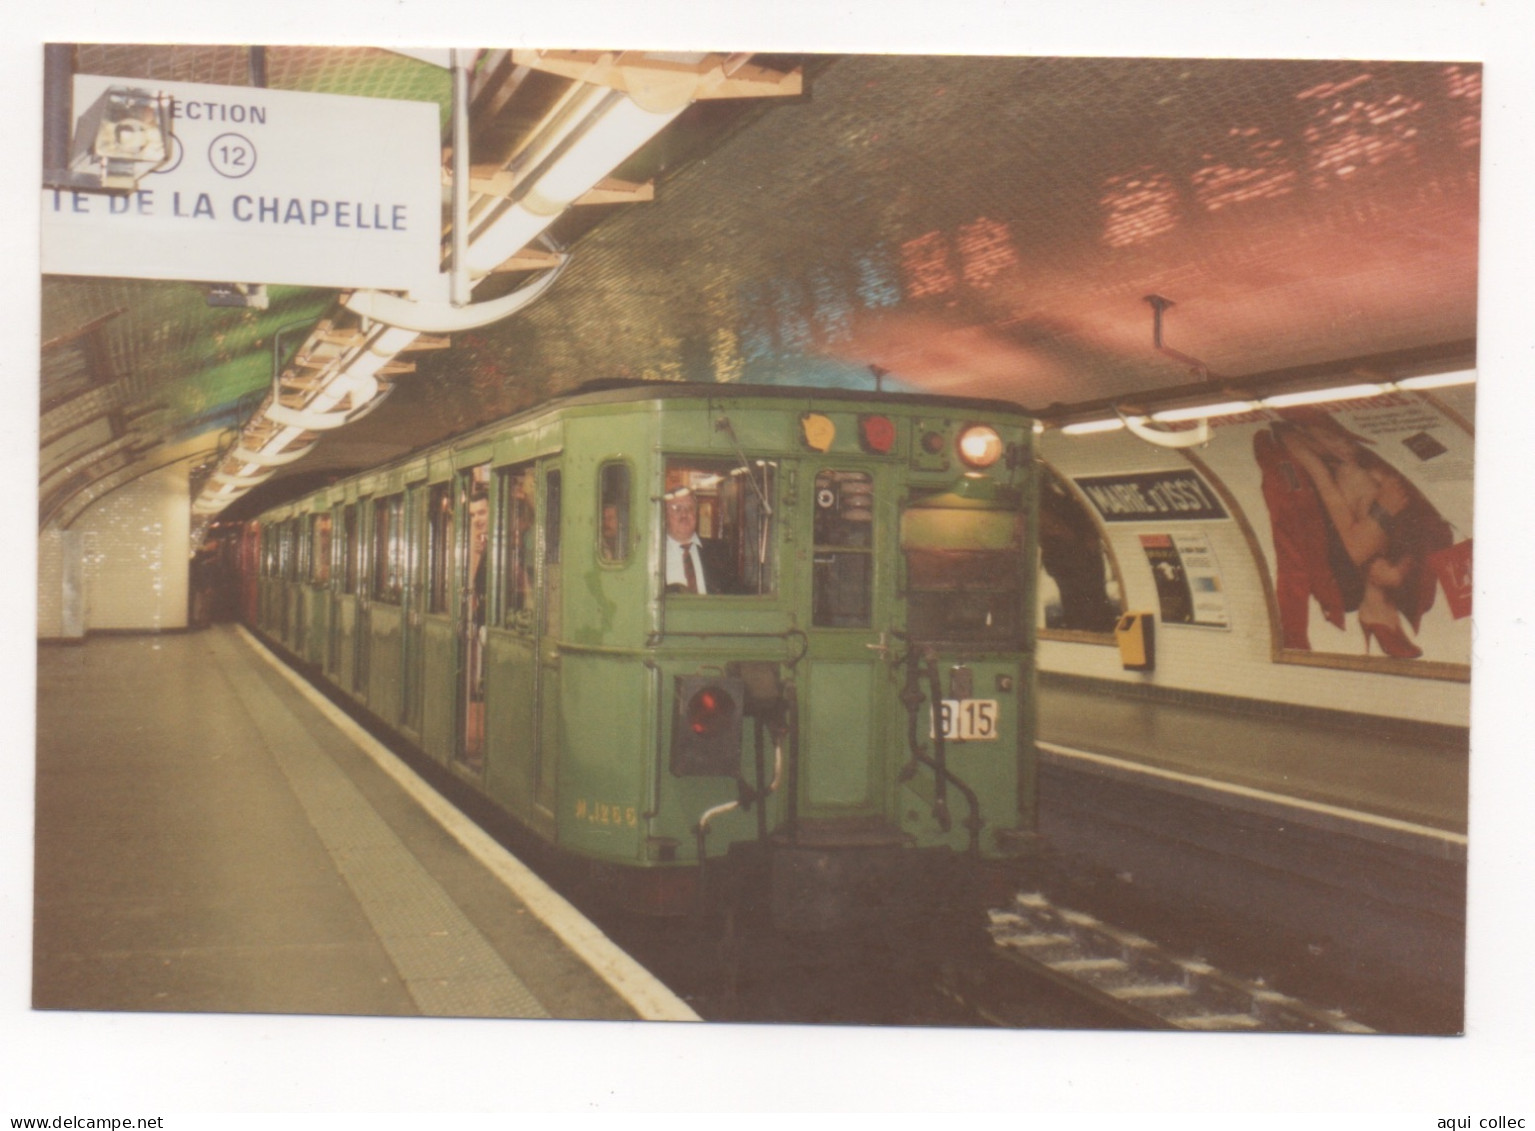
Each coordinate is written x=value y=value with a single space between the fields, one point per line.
x=667 y=624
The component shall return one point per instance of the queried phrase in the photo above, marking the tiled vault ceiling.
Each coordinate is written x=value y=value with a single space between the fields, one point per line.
x=987 y=226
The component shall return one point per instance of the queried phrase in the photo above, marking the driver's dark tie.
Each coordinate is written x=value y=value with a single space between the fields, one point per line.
x=687 y=568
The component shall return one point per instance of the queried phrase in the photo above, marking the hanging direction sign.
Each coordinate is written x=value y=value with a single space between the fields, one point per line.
x=264 y=186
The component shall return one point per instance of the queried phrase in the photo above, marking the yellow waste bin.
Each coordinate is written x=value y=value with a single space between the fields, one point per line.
x=1137 y=639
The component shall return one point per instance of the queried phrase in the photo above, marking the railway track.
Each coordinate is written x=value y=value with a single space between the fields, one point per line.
x=1139 y=981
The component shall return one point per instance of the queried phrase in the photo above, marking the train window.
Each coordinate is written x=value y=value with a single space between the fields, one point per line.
x=349 y=549
x=518 y=513
x=844 y=550
x=302 y=540
x=319 y=554
x=550 y=580
x=439 y=533
x=389 y=549
x=285 y=549
x=964 y=572
x=724 y=508
x=552 y=517
x=613 y=512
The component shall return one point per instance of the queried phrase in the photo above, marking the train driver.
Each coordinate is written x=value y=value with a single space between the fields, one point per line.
x=693 y=564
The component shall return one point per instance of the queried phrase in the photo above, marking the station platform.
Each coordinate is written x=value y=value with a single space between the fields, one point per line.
x=213 y=837
x=1395 y=777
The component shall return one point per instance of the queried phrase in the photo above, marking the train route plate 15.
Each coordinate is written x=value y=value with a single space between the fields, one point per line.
x=969 y=720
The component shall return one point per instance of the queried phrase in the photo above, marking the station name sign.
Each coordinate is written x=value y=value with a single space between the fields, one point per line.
x=264 y=186
x=1151 y=496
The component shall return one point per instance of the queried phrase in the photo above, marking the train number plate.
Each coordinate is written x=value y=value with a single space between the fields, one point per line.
x=969 y=720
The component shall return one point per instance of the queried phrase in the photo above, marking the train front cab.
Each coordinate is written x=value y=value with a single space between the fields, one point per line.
x=790 y=716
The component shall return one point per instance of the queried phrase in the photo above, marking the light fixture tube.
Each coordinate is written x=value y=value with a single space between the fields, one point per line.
x=1322 y=396
x=1087 y=427
x=618 y=133
x=1438 y=380
x=1201 y=411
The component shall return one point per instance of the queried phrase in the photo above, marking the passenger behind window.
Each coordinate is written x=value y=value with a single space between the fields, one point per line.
x=692 y=564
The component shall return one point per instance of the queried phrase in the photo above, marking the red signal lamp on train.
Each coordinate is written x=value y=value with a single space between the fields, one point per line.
x=707 y=711
x=979 y=446
x=706 y=726
x=877 y=433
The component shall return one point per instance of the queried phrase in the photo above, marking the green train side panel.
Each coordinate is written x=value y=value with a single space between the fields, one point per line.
x=514 y=761
x=345 y=653
x=318 y=635
x=839 y=762
x=605 y=723
x=606 y=601
x=384 y=662
x=439 y=660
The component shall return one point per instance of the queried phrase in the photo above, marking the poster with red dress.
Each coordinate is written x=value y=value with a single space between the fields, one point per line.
x=1362 y=511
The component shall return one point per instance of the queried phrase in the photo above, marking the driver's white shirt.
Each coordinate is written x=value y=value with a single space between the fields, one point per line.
x=675 y=573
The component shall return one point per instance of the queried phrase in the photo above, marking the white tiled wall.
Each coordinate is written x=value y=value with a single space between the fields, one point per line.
x=132 y=551
x=1235 y=661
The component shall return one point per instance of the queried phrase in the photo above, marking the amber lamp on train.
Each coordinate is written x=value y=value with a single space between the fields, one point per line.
x=979 y=446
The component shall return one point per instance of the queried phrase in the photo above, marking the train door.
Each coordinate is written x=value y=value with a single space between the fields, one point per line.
x=412 y=615
x=318 y=590
x=299 y=587
x=362 y=625
x=550 y=631
x=843 y=719
x=285 y=587
x=472 y=619
x=512 y=660
x=335 y=593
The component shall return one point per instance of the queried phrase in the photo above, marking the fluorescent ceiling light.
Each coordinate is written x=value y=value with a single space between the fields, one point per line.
x=622 y=128
x=1202 y=411
x=1322 y=396
x=1086 y=427
x=1438 y=380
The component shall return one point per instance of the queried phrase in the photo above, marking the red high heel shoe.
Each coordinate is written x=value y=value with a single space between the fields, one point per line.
x=1392 y=641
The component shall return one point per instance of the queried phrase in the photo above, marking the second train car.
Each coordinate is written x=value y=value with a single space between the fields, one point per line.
x=663 y=624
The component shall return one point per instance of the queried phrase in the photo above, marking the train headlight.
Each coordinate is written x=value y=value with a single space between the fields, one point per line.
x=706 y=726
x=980 y=446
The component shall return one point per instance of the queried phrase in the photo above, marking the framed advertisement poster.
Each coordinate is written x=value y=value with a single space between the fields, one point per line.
x=1188 y=579
x=1362 y=513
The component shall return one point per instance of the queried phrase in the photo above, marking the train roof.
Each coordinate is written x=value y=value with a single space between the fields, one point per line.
x=619 y=390
x=632 y=391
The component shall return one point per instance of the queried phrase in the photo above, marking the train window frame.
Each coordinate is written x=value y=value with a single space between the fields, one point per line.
x=944 y=602
x=303 y=545
x=554 y=488
x=320 y=548
x=724 y=501
x=440 y=529
x=517 y=535
x=614 y=546
x=350 y=520
x=827 y=556
x=388 y=558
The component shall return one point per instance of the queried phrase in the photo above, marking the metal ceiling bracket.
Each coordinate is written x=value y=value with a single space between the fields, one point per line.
x=437 y=317
x=1183 y=438
x=269 y=459
x=1197 y=367
x=243 y=480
